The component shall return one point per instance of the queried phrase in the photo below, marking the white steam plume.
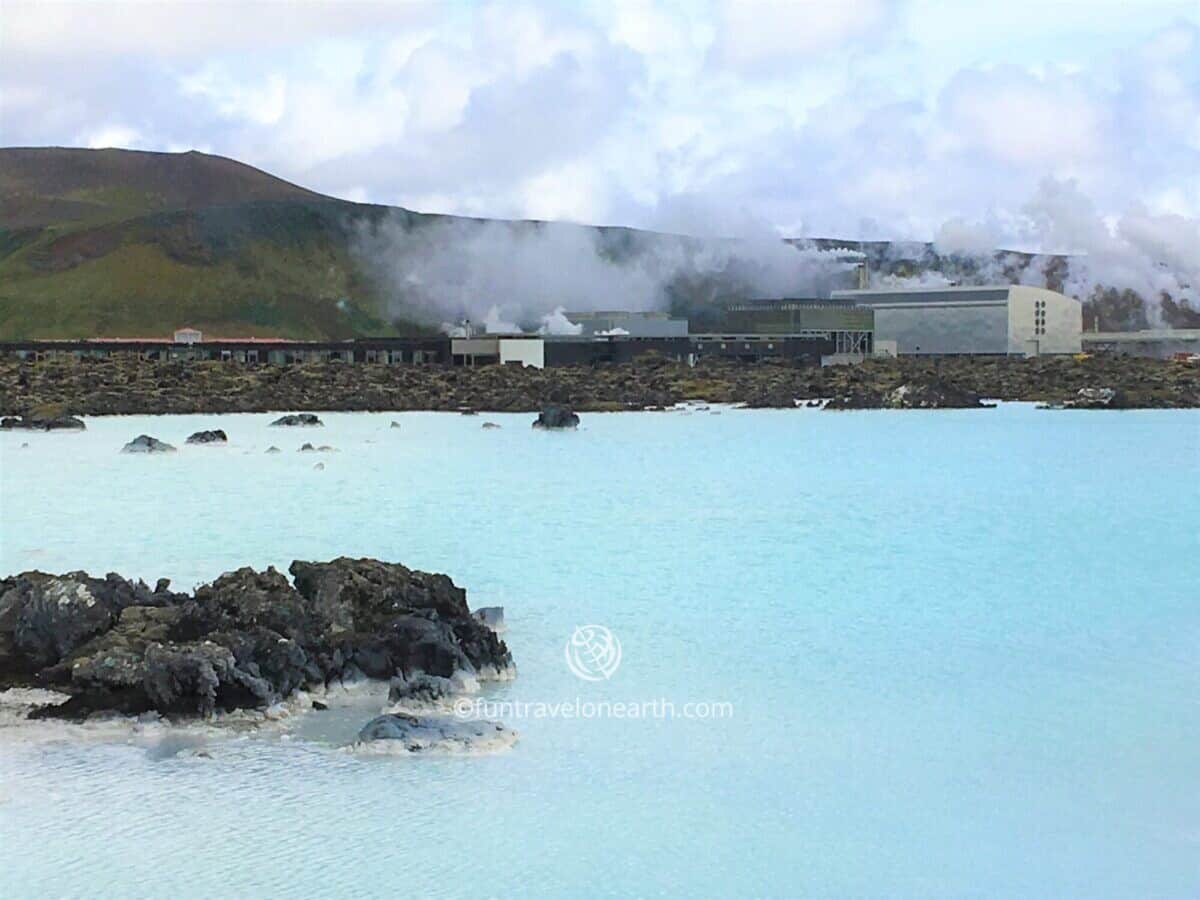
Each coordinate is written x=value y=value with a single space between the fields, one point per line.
x=1154 y=256
x=521 y=273
x=557 y=323
x=1151 y=255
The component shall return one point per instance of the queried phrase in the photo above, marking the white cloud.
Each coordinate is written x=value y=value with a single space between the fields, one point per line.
x=752 y=33
x=262 y=104
x=860 y=119
x=193 y=29
x=109 y=136
x=1026 y=120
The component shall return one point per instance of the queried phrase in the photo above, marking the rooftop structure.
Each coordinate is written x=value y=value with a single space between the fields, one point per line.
x=634 y=324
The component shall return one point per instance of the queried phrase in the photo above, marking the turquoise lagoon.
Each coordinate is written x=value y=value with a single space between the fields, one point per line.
x=962 y=648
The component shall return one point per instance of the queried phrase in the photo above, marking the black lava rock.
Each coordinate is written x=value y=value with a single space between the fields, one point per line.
x=216 y=436
x=300 y=419
x=248 y=639
x=143 y=443
x=554 y=415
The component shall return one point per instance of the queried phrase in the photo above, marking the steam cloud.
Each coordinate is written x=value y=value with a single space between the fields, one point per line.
x=507 y=275
x=1154 y=256
x=511 y=276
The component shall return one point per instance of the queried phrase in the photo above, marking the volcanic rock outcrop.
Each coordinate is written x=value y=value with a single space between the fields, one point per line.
x=215 y=436
x=554 y=415
x=300 y=419
x=144 y=443
x=36 y=423
x=925 y=392
x=118 y=385
x=247 y=640
x=1097 y=398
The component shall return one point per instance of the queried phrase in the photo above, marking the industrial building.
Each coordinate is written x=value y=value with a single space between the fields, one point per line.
x=278 y=351
x=810 y=331
x=817 y=329
x=525 y=350
x=1157 y=343
x=855 y=324
x=1001 y=320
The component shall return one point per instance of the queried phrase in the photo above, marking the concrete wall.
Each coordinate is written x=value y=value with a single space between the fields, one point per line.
x=758 y=346
x=526 y=351
x=943 y=328
x=1042 y=321
x=794 y=316
x=927 y=321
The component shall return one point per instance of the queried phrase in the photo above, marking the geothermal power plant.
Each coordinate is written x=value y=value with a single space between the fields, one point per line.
x=850 y=326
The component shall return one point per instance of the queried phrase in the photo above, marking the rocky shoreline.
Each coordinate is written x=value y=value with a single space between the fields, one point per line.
x=251 y=640
x=43 y=391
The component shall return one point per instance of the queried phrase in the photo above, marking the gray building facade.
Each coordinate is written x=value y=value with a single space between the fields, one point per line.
x=995 y=320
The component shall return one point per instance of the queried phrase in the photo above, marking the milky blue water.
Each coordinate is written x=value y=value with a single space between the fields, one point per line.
x=963 y=650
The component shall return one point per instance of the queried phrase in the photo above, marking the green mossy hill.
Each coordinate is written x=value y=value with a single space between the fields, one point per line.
x=117 y=243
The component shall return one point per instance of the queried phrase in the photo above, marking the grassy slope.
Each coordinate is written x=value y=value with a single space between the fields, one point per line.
x=173 y=239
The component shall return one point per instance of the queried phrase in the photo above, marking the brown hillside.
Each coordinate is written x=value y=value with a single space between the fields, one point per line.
x=57 y=185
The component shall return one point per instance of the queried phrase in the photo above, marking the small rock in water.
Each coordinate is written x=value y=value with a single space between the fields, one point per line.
x=490 y=425
x=298 y=419
x=399 y=732
x=216 y=436
x=556 y=416
x=395 y=424
x=47 y=419
x=320 y=467
x=317 y=704
x=272 y=449
x=143 y=443
x=306 y=447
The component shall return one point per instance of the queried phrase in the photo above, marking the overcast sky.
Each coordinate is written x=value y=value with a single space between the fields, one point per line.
x=854 y=118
